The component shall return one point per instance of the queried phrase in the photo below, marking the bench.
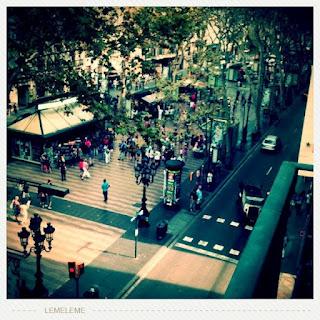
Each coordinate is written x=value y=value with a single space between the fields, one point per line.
x=47 y=188
x=53 y=190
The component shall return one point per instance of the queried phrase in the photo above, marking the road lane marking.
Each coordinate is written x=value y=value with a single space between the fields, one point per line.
x=206 y=252
x=234 y=224
x=221 y=220
x=218 y=247
x=248 y=227
x=187 y=239
x=206 y=217
x=234 y=252
x=202 y=243
x=269 y=171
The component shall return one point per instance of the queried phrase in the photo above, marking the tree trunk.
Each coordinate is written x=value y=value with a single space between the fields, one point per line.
x=260 y=88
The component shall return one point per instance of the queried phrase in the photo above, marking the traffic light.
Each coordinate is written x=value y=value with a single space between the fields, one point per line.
x=81 y=269
x=72 y=269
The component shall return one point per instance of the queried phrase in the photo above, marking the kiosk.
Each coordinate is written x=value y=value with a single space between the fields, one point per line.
x=172 y=182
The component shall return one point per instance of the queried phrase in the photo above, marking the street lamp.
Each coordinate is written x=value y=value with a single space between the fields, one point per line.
x=38 y=238
x=144 y=173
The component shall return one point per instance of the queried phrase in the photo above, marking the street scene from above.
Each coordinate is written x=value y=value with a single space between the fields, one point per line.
x=160 y=153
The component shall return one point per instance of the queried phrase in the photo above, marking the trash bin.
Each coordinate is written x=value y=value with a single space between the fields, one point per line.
x=162 y=228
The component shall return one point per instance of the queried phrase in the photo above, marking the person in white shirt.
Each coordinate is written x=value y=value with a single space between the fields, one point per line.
x=157 y=158
x=107 y=155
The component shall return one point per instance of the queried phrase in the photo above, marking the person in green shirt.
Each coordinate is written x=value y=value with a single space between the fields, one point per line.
x=105 y=186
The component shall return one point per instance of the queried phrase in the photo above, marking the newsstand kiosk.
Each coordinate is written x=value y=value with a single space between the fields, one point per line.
x=172 y=182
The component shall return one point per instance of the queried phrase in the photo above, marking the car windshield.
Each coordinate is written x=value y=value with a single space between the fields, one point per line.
x=254 y=201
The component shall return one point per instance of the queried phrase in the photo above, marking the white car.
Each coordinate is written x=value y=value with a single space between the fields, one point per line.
x=271 y=143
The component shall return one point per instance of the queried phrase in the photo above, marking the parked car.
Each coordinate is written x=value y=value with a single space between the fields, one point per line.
x=271 y=143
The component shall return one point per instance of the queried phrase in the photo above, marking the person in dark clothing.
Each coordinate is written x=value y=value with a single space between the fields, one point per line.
x=63 y=171
x=25 y=190
x=193 y=200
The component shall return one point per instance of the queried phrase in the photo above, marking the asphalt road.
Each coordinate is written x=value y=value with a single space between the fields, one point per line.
x=201 y=261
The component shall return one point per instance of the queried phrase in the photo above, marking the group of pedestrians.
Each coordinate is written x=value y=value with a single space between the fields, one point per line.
x=196 y=198
x=21 y=202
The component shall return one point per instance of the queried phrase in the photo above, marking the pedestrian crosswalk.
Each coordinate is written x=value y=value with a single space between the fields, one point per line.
x=124 y=194
x=75 y=239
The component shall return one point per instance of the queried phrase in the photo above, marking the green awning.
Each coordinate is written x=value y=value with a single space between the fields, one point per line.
x=51 y=118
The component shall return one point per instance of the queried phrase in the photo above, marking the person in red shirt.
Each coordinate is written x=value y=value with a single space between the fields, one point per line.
x=81 y=166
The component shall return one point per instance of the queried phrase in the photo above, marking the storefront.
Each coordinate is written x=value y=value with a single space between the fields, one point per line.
x=58 y=120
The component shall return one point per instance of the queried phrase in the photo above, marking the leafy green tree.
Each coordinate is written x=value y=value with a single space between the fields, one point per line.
x=42 y=43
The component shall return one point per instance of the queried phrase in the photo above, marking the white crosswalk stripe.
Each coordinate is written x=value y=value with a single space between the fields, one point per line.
x=203 y=243
x=205 y=252
x=187 y=239
x=75 y=239
x=218 y=247
x=234 y=224
x=234 y=252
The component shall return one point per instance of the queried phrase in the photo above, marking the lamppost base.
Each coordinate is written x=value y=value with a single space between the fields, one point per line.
x=40 y=291
x=143 y=222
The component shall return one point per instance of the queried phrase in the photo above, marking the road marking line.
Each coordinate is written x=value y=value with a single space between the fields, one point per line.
x=234 y=224
x=220 y=220
x=202 y=243
x=206 y=252
x=234 y=252
x=207 y=217
x=269 y=171
x=218 y=247
x=187 y=239
x=248 y=227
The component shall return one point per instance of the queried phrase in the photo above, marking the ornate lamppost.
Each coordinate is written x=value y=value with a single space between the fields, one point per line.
x=35 y=223
x=144 y=173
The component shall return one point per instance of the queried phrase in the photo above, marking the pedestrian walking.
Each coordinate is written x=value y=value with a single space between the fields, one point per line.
x=199 y=197
x=107 y=155
x=86 y=173
x=123 y=150
x=284 y=246
x=193 y=200
x=308 y=201
x=49 y=197
x=15 y=206
x=63 y=171
x=198 y=177
x=23 y=216
x=210 y=180
x=25 y=191
x=42 y=198
x=157 y=158
x=105 y=187
x=20 y=186
x=81 y=166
